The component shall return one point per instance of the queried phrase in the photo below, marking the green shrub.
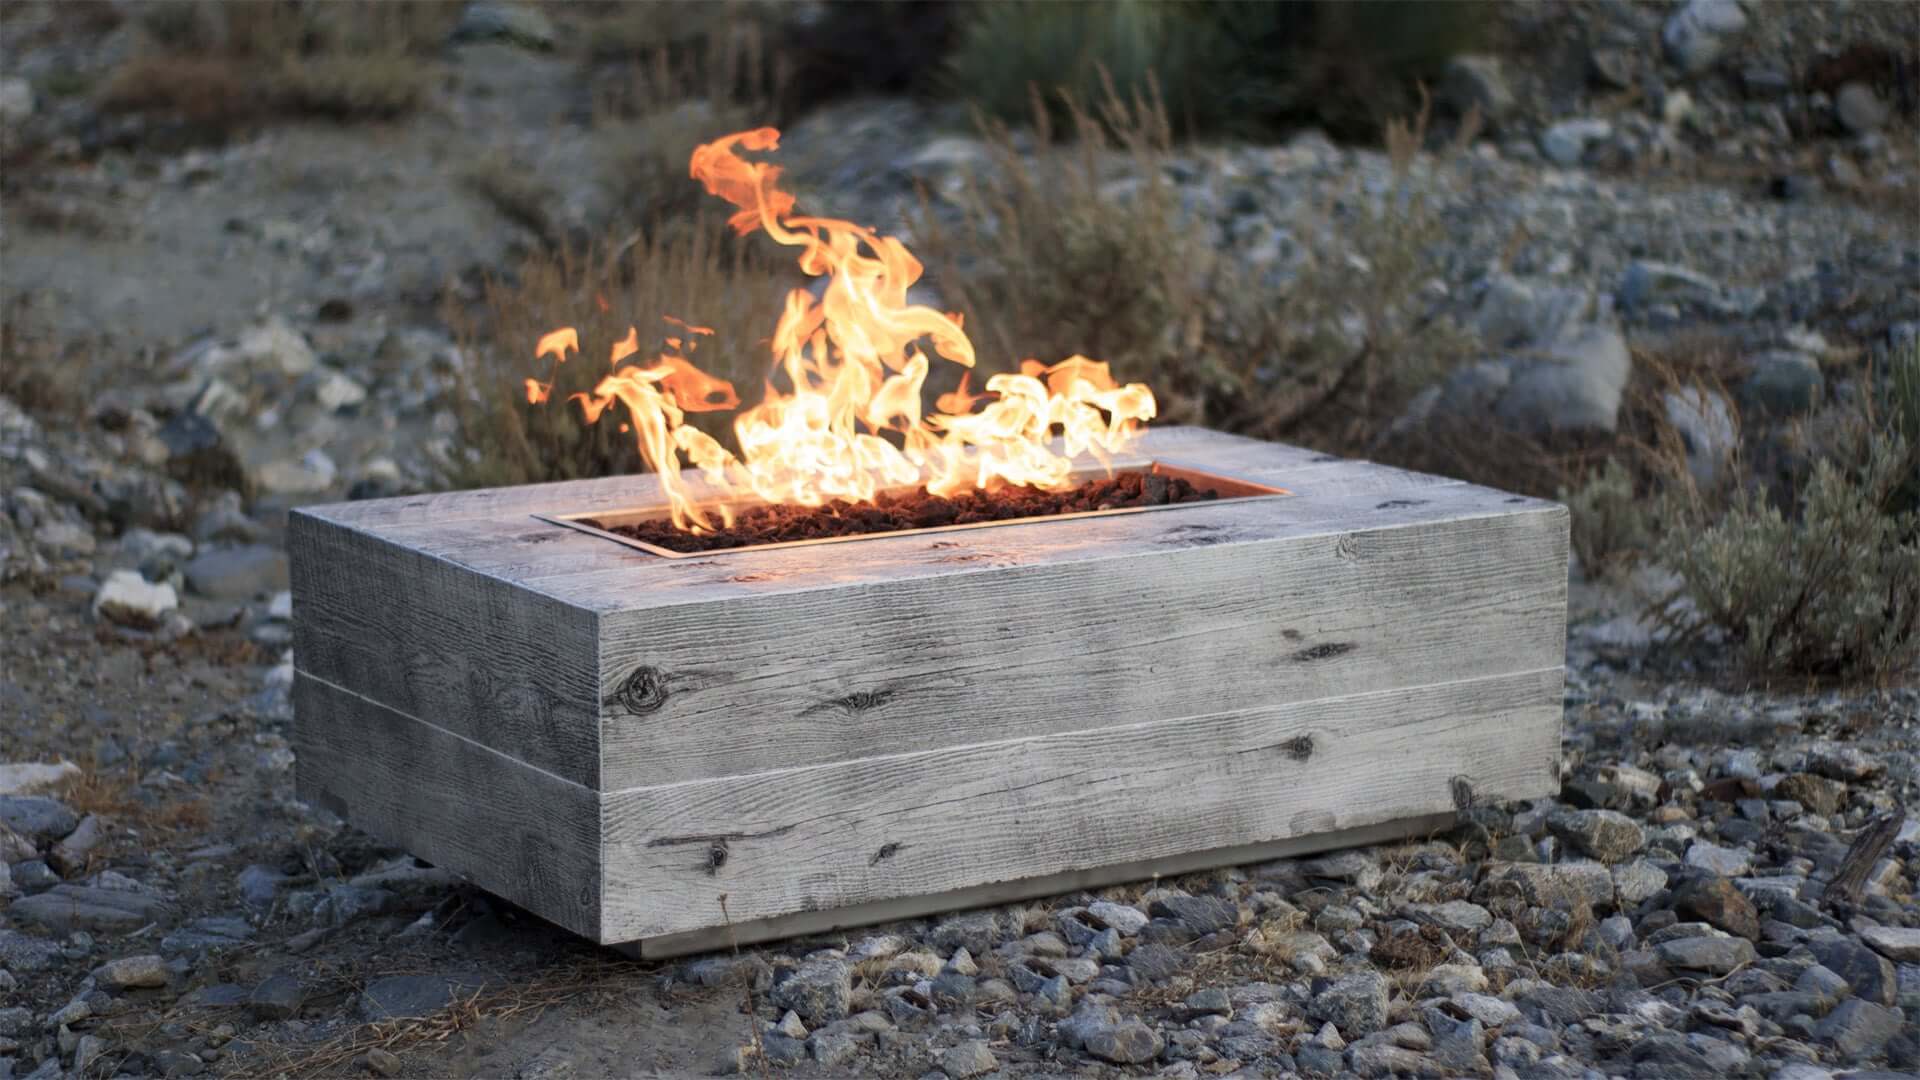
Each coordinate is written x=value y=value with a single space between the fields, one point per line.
x=1610 y=523
x=1221 y=65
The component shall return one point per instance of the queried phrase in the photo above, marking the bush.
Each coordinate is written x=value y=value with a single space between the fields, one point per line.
x=1223 y=66
x=1834 y=589
x=702 y=278
x=1083 y=246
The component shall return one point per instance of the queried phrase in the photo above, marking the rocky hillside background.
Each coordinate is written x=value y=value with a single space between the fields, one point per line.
x=1659 y=260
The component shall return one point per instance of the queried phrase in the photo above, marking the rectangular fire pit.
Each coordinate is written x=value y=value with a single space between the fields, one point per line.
x=785 y=739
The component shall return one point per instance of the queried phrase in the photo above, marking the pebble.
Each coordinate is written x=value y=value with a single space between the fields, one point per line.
x=1698 y=33
x=1714 y=954
x=1606 y=835
x=819 y=991
x=1859 y=109
x=1727 y=862
x=131 y=600
x=1127 y=1043
x=970 y=1058
x=132 y=972
x=1355 y=1003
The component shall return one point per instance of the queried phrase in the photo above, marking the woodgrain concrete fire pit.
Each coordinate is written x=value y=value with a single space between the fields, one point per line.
x=765 y=742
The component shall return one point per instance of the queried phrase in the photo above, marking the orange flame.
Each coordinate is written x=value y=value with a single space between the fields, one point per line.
x=856 y=359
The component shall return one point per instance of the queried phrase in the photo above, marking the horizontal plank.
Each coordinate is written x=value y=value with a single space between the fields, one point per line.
x=701 y=690
x=1007 y=892
x=466 y=651
x=519 y=833
x=855 y=832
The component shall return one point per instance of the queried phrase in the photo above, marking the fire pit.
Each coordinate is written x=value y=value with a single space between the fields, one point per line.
x=877 y=665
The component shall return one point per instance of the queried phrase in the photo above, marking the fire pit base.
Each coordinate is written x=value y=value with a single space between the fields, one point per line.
x=784 y=741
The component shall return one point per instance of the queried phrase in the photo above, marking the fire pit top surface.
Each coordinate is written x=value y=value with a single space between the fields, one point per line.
x=495 y=531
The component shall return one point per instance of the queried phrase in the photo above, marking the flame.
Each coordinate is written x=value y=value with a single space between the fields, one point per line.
x=855 y=360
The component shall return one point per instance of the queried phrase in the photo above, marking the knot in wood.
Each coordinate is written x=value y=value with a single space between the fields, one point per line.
x=644 y=691
x=1300 y=748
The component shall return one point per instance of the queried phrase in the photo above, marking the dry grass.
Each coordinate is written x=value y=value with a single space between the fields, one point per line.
x=1081 y=246
x=218 y=67
x=702 y=278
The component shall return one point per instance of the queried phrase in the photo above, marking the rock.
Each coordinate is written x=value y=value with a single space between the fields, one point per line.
x=70 y=855
x=1714 y=954
x=1637 y=881
x=1606 y=835
x=16 y=99
x=976 y=931
x=202 y=935
x=29 y=777
x=409 y=997
x=1844 y=763
x=1566 y=142
x=1575 y=385
x=835 y=1049
x=383 y=1062
x=240 y=573
x=1817 y=793
x=1155 y=962
x=129 y=599
x=1559 y=885
x=1128 y=1043
x=1355 y=1003
x=1704 y=422
x=1896 y=943
x=132 y=972
x=25 y=953
x=791 y=1026
x=1125 y=919
x=1358 y=868
x=1459 y=1047
x=1782 y=382
x=337 y=391
x=1859 y=110
x=820 y=991
x=66 y=908
x=276 y=346
x=1870 y=975
x=260 y=885
x=1697 y=34
x=1198 y=915
x=1726 y=862
x=1715 y=900
x=279 y=997
x=37 y=817
x=1476 y=82
x=492 y=20
x=15 y=1021
x=970 y=1058
x=88 y=1050
x=309 y=474
x=65 y=540
x=1490 y=1011
x=1858 y=1029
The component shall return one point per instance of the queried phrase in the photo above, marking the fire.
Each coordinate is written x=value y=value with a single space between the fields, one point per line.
x=849 y=423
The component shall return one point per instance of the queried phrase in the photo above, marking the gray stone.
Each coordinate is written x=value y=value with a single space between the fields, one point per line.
x=1128 y=1043
x=1858 y=1029
x=1714 y=954
x=1574 y=385
x=1355 y=1003
x=1452 y=915
x=1712 y=899
x=1476 y=82
x=1897 y=943
x=279 y=997
x=1859 y=109
x=1696 y=35
x=1566 y=142
x=345 y=903
x=1781 y=382
x=16 y=1021
x=1727 y=862
x=1490 y=1011
x=1637 y=881
x=1087 y=1019
x=65 y=908
x=70 y=855
x=132 y=972
x=1459 y=1047
x=1606 y=835
x=1153 y=962
x=37 y=817
x=951 y=990
x=976 y=931
x=970 y=1058
x=1358 y=868
x=1126 y=919
x=1869 y=974
x=1707 y=432
x=260 y=885
x=782 y=1051
x=1199 y=915
x=202 y=935
x=821 y=991
x=408 y=997
x=834 y=1049
x=238 y=573
x=26 y=953
x=1556 y=885
x=1210 y=1001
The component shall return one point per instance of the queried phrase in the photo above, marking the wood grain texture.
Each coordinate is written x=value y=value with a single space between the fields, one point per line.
x=519 y=833
x=1008 y=892
x=822 y=675
x=468 y=652
x=849 y=833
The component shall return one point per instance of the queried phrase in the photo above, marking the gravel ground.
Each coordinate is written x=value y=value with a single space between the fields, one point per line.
x=262 y=316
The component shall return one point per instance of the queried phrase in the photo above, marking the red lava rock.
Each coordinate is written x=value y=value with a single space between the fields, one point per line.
x=920 y=509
